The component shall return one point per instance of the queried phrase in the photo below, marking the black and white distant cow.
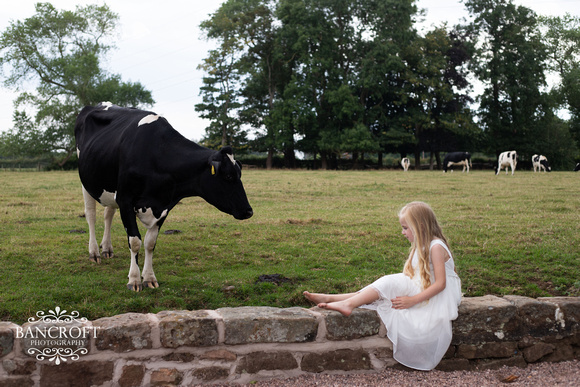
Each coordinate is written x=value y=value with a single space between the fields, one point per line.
x=405 y=162
x=505 y=160
x=135 y=161
x=541 y=163
x=457 y=158
x=577 y=168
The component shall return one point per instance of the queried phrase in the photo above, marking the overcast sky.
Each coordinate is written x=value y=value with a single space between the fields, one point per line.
x=160 y=46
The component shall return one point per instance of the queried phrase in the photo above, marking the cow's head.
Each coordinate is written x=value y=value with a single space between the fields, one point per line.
x=546 y=165
x=222 y=185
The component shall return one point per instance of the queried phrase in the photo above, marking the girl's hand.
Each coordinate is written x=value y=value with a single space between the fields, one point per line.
x=403 y=302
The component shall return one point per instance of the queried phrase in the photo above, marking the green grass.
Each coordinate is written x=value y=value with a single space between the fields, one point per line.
x=324 y=230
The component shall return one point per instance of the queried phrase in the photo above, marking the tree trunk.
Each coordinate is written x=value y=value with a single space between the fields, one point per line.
x=290 y=158
x=355 y=160
x=270 y=159
x=417 y=160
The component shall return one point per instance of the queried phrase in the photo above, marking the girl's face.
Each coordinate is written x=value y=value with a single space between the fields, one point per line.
x=407 y=232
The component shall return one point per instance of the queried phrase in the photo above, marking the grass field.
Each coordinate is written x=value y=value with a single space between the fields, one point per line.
x=322 y=230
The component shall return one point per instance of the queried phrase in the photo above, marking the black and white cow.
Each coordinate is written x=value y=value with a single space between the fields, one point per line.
x=405 y=162
x=457 y=158
x=505 y=160
x=577 y=168
x=540 y=163
x=135 y=161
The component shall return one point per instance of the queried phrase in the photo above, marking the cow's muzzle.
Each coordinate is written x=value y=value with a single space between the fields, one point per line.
x=245 y=215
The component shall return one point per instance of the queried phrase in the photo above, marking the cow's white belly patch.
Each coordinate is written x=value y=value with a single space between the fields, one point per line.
x=107 y=199
x=148 y=119
x=147 y=218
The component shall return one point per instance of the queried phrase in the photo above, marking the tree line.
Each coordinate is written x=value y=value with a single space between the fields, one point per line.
x=328 y=77
x=324 y=78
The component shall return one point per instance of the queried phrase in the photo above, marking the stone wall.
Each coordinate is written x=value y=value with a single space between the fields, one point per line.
x=241 y=345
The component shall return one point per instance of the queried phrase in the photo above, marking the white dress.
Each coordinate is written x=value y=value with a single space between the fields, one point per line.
x=421 y=334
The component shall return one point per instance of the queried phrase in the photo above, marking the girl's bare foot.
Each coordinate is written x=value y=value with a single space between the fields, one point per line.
x=340 y=306
x=317 y=298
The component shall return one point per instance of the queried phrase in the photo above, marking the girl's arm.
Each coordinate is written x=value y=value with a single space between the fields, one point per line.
x=438 y=258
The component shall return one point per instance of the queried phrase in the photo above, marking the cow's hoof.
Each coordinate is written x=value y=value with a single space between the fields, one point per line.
x=95 y=258
x=150 y=284
x=136 y=287
x=107 y=254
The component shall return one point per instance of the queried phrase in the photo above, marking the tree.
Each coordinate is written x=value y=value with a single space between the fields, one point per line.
x=293 y=121
x=346 y=58
x=246 y=80
x=512 y=67
x=61 y=51
x=438 y=103
x=386 y=30
x=571 y=90
x=221 y=100
x=27 y=141
x=562 y=38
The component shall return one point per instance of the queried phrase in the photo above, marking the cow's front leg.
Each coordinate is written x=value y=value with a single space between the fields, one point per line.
x=90 y=215
x=106 y=244
x=149 y=279
x=134 y=238
x=134 y=273
x=153 y=224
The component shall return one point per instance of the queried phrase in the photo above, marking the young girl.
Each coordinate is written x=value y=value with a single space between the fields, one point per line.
x=416 y=306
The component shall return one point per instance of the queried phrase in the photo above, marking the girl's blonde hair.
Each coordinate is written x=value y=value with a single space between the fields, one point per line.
x=423 y=223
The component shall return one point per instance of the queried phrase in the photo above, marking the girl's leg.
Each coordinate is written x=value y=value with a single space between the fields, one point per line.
x=345 y=306
x=317 y=298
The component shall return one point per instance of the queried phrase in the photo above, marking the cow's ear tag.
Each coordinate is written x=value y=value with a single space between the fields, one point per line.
x=215 y=167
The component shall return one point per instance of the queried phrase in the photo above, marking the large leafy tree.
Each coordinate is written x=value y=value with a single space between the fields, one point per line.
x=562 y=38
x=25 y=142
x=221 y=92
x=246 y=34
x=329 y=69
x=386 y=31
x=347 y=66
x=61 y=51
x=221 y=100
x=436 y=87
x=511 y=65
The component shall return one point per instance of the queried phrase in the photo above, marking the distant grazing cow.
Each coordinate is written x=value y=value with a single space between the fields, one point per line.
x=541 y=163
x=405 y=162
x=577 y=167
x=505 y=160
x=135 y=161
x=457 y=158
